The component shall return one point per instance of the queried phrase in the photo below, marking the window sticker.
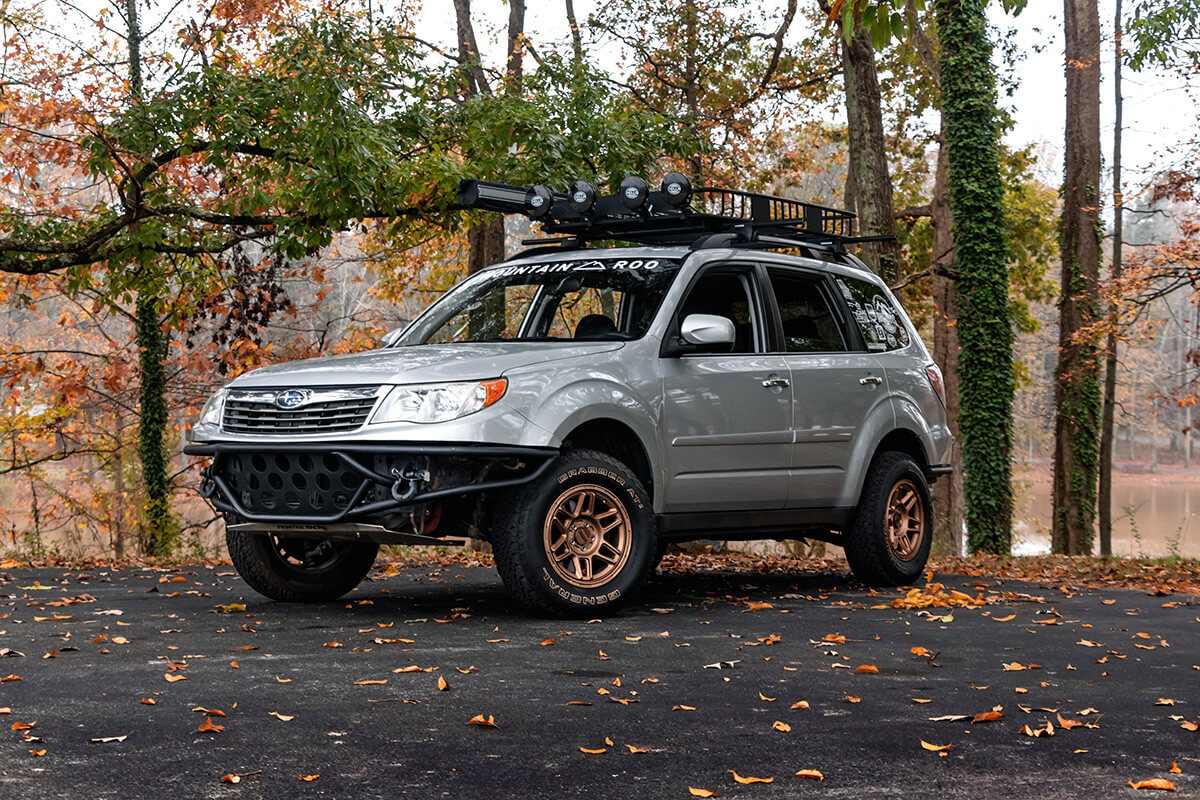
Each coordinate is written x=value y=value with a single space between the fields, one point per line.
x=879 y=320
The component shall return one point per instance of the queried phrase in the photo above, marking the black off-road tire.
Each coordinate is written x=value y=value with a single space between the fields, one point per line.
x=258 y=561
x=519 y=521
x=874 y=557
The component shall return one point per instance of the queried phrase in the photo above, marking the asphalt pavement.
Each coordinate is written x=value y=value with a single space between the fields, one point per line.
x=142 y=683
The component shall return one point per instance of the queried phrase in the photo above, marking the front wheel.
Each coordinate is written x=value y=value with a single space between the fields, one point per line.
x=298 y=570
x=888 y=544
x=580 y=541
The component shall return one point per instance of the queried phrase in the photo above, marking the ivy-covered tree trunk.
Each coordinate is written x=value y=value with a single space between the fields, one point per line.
x=869 y=186
x=1077 y=392
x=158 y=527
x=981 y=260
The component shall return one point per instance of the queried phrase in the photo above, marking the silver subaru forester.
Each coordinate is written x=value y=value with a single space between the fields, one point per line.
x=580 y=408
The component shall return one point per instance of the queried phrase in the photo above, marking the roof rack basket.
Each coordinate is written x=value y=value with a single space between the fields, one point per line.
x=675 y=215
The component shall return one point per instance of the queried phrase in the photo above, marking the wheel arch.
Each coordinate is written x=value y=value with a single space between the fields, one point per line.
x=617 y=439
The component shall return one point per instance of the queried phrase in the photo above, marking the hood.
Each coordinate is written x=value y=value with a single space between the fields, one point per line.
x=428 y=363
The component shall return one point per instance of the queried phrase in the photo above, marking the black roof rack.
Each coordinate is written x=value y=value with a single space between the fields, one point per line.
x=673 y=216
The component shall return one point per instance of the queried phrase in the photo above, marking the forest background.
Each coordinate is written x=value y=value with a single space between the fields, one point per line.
x=190 y=190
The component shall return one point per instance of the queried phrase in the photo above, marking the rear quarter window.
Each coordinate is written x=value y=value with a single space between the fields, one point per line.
x=881 y=322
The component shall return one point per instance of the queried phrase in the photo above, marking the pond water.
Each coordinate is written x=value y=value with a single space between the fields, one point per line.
x=1153 y=515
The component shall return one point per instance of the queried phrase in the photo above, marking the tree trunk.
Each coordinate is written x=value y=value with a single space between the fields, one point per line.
x=513 y=64
x=948 y=494
x=158 y=527
x=981 y=261
x=1110 y=357
x=871 y=186
x=1077 y=392
x=576 y=39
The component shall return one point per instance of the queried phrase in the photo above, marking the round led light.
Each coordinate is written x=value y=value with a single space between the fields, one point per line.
x=677 y=188
x=634 y=192
x=582 y=197
x=538 y=201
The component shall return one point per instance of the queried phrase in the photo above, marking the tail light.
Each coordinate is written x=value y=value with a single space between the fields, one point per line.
x=935 y=380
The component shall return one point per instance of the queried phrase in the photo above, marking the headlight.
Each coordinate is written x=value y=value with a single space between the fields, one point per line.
x=211 y=413
x=438 y=403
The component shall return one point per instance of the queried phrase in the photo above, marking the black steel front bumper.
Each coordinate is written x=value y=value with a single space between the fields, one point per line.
x=329 y=483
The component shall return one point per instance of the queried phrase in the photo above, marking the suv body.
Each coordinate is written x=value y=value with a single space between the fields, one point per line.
x=737 y=394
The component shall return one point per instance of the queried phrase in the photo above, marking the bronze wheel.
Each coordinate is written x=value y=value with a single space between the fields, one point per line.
x=905 y=520
x=587 y=535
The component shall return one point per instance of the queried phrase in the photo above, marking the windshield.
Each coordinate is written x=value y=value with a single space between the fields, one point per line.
x=603 y=299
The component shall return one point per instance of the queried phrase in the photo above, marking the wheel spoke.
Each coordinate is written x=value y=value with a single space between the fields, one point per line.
x=587 y=535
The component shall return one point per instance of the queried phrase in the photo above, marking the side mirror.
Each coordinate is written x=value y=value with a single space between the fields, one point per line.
x=708 y=332
x=389 y=338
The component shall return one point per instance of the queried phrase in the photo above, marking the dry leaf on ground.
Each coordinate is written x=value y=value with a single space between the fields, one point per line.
x=749 y=779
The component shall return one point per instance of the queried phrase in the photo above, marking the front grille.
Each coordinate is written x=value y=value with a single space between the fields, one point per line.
x=326 y=411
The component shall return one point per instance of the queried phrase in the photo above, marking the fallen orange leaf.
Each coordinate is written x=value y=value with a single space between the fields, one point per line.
x=22 y=726
x=633 y=749
x=595 y=752
x=208 y=727
x=282 y=717
x=989 y=716
x=701 y=792
x=1154 y=783
x=936 y=748
x=1164 y=701
x=852 y=699
x=783 y=727
x=1175 y=768
x=814 y=774
x=478 y=719
x=209 y=712
x=548 y=641
x=231 y=778
x=921 y=700
x=800 y=704
x=379 y=682
x=37 y=753
x=442 y=685
x=759 y=606
x=174 y=676
x=740 y=779
x=1067 y=724
x=765 y=699
x=1009 y=618
x=867 y=669
x=835 y=638
x=920 y=651
x=309 y=778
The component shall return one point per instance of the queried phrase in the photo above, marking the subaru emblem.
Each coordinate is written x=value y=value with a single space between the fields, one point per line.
x=292 y=398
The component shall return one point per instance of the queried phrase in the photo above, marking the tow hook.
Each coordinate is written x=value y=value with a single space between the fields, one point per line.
x=408 y=483
x=208 y=487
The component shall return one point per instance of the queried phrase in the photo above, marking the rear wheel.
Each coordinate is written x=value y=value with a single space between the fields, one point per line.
x=297 y=570
x=578 y=542
x=888 y=544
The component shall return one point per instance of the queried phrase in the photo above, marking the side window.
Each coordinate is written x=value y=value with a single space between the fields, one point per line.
x=881 y=323
x=808 y=324
x=724 y=294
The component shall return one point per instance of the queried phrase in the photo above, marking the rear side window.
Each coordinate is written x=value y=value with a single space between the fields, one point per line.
x=881 y=323
x=808 y=324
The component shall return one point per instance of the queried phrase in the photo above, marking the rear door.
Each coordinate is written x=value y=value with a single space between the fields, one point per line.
x=727 y=416
x=835 y=383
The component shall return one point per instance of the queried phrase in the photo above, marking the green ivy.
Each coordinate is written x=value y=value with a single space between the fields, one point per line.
x=986 y=381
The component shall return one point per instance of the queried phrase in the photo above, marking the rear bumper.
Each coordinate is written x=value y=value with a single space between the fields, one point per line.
x=334 y=483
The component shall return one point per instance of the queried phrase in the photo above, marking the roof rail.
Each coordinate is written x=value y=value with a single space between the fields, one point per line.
x=675 y=215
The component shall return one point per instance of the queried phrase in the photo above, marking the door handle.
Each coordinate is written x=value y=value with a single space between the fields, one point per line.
x=771 y=383
x=871 y=380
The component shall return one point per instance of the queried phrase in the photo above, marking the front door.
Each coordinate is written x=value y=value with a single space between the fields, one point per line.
x=727 y=416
